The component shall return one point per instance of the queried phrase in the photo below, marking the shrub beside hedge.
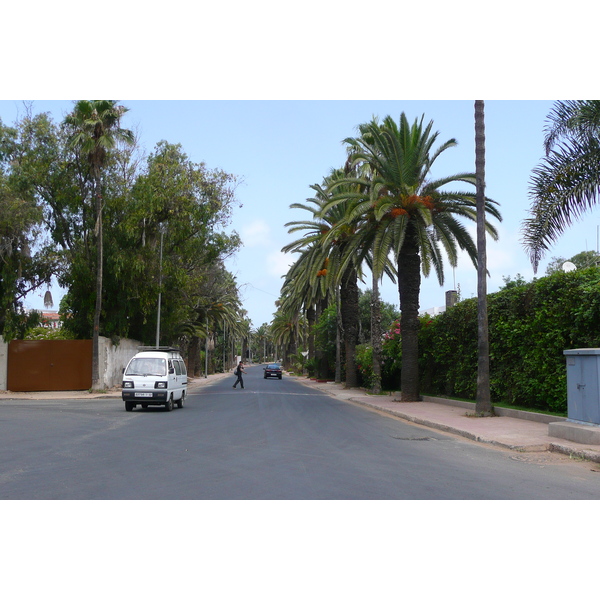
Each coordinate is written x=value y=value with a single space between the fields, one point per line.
x=530 y=326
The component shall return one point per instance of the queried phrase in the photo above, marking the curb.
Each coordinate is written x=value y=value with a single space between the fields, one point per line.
x=454 y=430
x=590 y=455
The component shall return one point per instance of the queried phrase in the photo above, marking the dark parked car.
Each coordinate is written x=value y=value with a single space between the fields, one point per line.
x=273 y=370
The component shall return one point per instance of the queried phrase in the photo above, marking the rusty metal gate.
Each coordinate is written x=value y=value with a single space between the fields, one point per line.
x=49 y=365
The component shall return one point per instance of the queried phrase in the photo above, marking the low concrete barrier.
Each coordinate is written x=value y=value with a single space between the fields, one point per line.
x=498 y=411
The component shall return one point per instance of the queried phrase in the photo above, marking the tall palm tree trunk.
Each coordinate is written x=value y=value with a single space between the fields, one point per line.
x=310 y=318
x=99 y=273
x=483 y=404
x=350 y=317
x=339 y=334
x=376 y=336
x=194 y=366
x=409 y=285
x=321 y=367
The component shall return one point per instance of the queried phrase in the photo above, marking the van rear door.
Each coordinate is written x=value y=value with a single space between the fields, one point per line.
x=181 y=373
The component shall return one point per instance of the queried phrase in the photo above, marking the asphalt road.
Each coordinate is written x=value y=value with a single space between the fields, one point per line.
x=272 y=440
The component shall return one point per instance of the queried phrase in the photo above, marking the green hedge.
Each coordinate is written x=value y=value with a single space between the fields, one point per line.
x=529 y=328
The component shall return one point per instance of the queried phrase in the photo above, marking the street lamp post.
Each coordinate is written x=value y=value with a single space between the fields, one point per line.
x=206 y=352
x=159 y=287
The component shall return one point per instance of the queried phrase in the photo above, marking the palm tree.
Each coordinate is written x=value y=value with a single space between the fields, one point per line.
x=567 y=182
x=307 y=286
x=286 y=331
x=304 y=290
x=359 y=249
x=331 y=248
x=414 y=216
x=94 y=129
x=483 y=404
x=218 y=307
x=262 y=336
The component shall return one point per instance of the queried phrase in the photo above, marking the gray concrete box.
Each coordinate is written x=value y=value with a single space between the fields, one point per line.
x=583 y=385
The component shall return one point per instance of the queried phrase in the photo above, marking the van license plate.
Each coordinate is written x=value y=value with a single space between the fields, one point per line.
x=143 y=394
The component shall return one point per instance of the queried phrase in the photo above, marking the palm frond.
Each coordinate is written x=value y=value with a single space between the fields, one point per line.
x=563 y=188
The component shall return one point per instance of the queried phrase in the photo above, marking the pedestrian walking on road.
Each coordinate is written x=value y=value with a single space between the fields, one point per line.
x=238 y=372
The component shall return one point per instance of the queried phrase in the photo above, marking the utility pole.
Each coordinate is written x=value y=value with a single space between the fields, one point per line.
x=206 y=352
x=160 y=225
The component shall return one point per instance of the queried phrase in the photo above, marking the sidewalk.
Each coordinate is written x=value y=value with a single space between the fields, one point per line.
x=520 y=434
x=529 y=433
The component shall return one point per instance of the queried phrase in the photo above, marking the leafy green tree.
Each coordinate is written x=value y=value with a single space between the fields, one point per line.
x=376 y=317
x=27 y=258
x=565 y=185
x=94 y=129
x=389 y=315
x=509 y=282
x=73 y=222
x=46 y=333
x=192 y=204
x=585 y=259
x=582 y=260
x=187 y=205
x=415 y=216
x=555 y=265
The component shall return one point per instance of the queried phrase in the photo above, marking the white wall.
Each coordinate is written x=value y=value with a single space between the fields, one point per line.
x=113 y=359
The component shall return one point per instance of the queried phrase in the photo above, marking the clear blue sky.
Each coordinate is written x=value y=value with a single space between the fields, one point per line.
x=280 y=148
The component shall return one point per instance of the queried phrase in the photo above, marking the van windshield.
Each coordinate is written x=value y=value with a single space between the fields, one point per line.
x=147 y=366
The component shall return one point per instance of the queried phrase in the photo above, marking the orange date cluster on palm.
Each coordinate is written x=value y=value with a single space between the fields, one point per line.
x=323 y=271
x=410 y=204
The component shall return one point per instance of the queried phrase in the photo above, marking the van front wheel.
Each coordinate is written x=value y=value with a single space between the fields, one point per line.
x=169 y=404
x=129 y=406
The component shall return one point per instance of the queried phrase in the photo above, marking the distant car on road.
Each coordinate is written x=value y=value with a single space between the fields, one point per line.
x=273 y=370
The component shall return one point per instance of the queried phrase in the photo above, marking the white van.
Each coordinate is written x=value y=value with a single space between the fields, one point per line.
x=155 y=376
